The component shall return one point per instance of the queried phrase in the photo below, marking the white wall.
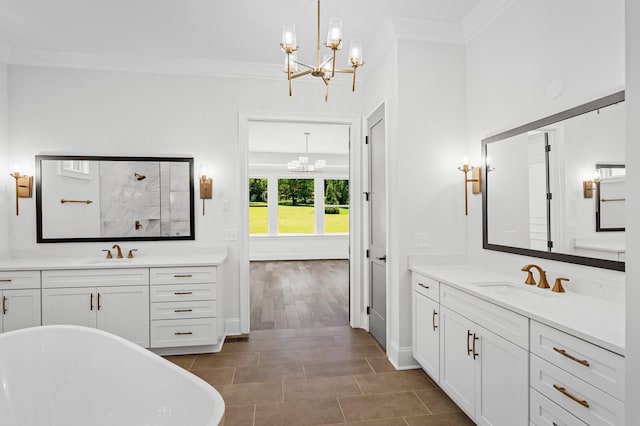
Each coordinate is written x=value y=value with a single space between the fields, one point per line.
x=7 y=183
x=632 y=399
x=510 y=66
x=120 y=113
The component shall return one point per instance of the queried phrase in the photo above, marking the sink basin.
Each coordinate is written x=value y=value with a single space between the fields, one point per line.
x=511 y=289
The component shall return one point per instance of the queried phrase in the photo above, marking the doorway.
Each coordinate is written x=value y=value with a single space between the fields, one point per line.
x=279 y=253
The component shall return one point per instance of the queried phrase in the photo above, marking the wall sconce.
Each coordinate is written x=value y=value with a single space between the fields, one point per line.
x=206 y=186
x=24 y=186
x=589 y=185
x=476 y=181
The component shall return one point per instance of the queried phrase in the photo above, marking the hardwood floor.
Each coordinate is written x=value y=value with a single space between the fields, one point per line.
x=299 y=294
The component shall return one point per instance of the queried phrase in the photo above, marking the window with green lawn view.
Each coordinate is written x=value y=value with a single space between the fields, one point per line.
x=258 y=211
x=296 y=206
x=336 y=206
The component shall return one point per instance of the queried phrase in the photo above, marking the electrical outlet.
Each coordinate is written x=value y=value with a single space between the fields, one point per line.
x=229 y=235
x=422 y=239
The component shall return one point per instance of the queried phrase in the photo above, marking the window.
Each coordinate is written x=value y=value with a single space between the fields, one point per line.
x=296 y=213
x=336 y=206
x=258 y=211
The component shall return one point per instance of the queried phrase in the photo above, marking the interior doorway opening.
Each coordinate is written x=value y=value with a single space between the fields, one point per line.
x=299 y=218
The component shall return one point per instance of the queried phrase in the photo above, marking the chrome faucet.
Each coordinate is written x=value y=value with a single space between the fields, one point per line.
x=119 y=256
x=531 y=281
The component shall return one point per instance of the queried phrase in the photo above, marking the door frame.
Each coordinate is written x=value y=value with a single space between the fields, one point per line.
x=356 y=178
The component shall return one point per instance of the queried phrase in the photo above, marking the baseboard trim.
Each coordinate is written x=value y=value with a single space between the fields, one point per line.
x=401 y=357
x=299 y=256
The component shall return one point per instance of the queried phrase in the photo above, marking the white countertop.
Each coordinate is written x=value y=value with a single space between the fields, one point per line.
x=140 y=261
x=598 y=321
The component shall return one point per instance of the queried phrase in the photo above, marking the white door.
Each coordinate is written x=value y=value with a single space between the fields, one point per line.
x=124 y=311
x=426 y=335
x=377 y=227
x=20 y=308
x=457 y=366
x=503 y=381
x=74 y=306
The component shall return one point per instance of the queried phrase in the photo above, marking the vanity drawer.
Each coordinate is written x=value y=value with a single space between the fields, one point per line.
x=94 y=277
x=175 y=310
x=586 y=402
x=593 y=364
x=19 y=280
x=184 y=332
x=503 y=322
x=181 y=292
x=185 y=275
x=426 y=286
x=544 y=412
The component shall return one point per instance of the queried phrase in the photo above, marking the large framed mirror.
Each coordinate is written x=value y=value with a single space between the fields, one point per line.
x=554 y=188
x=89 y=198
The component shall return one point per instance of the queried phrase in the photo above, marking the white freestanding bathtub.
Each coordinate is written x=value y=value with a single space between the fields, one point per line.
x=78 y=376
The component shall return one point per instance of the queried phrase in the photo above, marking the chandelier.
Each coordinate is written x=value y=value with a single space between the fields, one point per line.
x=302 y=163
x=325 y=69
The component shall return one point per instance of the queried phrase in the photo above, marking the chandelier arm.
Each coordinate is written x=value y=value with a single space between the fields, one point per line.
x=353 y=84
x=345 y=71
x=326 y=90
x=300 y=74
x=333 y=63
x=318 y=39
x=304 y=65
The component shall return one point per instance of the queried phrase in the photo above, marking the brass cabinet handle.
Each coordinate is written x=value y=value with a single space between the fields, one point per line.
x=433 y=320
x=475 y=338
x=183 y=310
x=99 y=305
x=5 y=280
x=571 y=396
x=4 y=305
x=183 y=276
x=423 y=285
x=182 y=292
x=182 y=333
x=91 y=302
x=468 y=344
x=571 y=357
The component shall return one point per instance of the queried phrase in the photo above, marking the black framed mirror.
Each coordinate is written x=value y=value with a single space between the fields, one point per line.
x=102 y=198
x=534 y=197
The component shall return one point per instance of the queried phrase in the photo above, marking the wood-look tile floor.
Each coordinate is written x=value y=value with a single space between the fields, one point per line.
x=319 y=376
x=299 y=294
x=303 y=371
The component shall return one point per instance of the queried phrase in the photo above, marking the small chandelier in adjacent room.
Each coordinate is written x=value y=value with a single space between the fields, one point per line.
x=325 y=69
x=302 y=163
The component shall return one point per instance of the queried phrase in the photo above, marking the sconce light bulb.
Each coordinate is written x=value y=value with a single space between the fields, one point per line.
x=15 y=169
x=204 y=172
x=465 y=161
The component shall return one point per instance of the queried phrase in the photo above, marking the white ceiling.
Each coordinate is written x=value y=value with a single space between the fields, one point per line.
x=231 y=30
x=288 y=137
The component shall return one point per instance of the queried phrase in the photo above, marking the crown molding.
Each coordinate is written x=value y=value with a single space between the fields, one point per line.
x=482 y=16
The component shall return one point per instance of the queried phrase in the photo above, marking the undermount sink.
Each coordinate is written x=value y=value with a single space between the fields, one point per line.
x=509 y=288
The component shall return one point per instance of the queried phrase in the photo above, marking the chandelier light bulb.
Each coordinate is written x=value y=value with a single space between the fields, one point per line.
x=288 y=36
x=291 y=62
x=334 y=36
x=355 y=53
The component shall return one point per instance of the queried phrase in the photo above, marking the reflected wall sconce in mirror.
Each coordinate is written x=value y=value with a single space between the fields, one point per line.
x=206 y=186
x=24 y=186
x=476 y=181
x=589 y=185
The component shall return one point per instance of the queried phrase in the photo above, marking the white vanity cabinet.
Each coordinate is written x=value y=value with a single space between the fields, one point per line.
x=19 y=300
x=426 y=331
x=114 y=300
x=484 y=372
x=574 y=381
x=184 y=310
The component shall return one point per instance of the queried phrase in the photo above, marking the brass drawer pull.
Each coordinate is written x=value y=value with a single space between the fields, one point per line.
x=571 y=396
x=4 y=305
x=433 y=320
x=423 y=286
x=468 y=344
x=183 y=276
x=182 y=292
x=5 y=280
x=182 y=333
x=571 y=357
x=183 y=310
x=475 y=338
